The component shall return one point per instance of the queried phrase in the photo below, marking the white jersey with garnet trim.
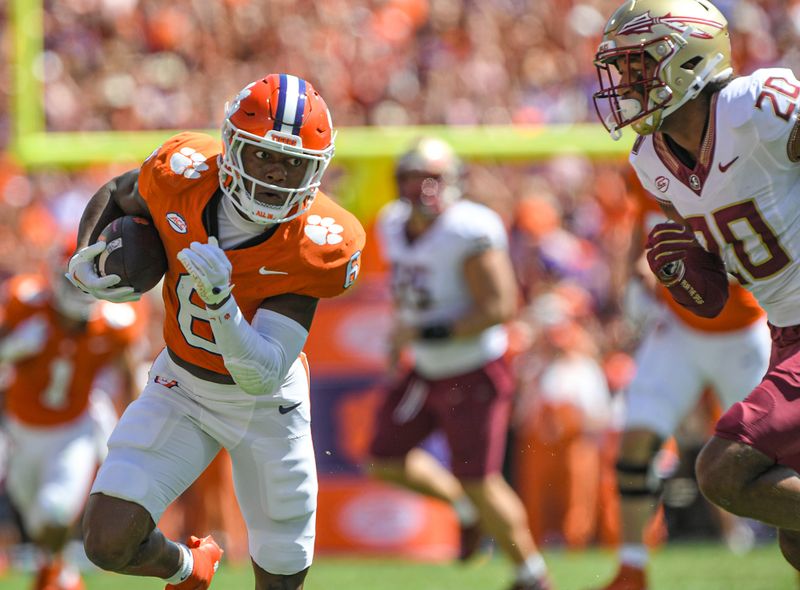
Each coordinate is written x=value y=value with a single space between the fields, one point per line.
x=741 y=197
x=429 y=285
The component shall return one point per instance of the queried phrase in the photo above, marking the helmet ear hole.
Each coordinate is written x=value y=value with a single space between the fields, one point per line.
x=692 y=63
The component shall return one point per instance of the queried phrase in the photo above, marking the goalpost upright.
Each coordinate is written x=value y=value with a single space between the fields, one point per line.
x=365 y=153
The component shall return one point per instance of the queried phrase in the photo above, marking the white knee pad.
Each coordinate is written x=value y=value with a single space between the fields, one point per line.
x=284 y=547
x=155 y=453
x=121 y=477
x=278 y=496
x=288 y=477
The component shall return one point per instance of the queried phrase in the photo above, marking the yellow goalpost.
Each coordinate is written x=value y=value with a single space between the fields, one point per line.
x=365 y=153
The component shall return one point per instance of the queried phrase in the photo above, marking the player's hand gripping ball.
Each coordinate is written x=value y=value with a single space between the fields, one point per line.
x=667 y=247
x=134 y=252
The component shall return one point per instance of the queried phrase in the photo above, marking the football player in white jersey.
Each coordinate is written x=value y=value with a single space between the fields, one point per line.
x=720 y=154
x=659 y=398
x=453 y=286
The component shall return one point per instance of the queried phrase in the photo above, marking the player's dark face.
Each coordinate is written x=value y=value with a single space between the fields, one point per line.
x=634 y=71
x=284 y=170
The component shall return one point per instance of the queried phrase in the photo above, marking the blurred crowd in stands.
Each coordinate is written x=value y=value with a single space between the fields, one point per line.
x=148 y=64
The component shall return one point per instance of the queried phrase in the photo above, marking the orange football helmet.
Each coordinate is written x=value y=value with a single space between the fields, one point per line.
x=281 y=113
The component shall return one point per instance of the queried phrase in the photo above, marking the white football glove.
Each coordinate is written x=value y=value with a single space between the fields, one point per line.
x=82 y=273
x=210 y=270
x=26 y=340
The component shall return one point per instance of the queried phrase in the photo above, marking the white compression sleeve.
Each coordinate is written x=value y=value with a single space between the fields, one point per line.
x=257 y=356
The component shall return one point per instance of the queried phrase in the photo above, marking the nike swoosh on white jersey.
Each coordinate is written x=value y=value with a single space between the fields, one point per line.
x=265 y=271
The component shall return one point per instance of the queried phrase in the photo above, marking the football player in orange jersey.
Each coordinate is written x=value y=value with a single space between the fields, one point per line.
x=57 y=341
x=251 y=246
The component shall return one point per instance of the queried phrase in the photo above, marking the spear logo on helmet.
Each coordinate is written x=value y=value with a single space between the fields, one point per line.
x=644 y=23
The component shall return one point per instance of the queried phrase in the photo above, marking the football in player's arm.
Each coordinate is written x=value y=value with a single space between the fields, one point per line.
x=251 y=245
x=722 y=152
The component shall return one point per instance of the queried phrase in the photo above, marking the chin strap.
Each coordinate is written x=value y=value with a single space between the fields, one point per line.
x=628 y=109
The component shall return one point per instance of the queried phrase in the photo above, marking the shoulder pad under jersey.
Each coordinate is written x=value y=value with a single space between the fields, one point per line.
x=330 y=248
x=766 y=99
x=181 y=163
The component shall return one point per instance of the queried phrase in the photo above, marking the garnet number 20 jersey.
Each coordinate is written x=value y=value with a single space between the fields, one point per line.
x=317 y=254
x=741 y=197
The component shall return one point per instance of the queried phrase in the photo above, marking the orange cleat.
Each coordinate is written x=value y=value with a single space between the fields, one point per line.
x=206 y=554
x=628 y=578
x=47 y=576
x=54 y=575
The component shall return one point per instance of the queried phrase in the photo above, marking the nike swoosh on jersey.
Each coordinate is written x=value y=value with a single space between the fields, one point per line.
x=724 y=167
x=265 y=271
x=287 y=409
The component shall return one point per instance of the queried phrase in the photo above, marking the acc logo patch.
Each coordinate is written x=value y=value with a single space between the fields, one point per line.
x=177 y=222
x=189 y=163
x=662 y=183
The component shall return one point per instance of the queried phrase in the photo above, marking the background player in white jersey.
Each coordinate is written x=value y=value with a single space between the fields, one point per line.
x=721 y=155
x=453 y=286
x=680 y=355
x=251 y=246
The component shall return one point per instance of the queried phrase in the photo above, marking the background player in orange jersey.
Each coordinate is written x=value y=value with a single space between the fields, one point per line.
x=57 y=341
x=680 y=355
x=244 y=212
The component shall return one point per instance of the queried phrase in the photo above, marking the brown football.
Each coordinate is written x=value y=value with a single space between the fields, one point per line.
x=134 y=252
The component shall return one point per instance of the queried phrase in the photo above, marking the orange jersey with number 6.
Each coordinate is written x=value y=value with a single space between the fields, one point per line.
x=317 y=254
x=52 y=387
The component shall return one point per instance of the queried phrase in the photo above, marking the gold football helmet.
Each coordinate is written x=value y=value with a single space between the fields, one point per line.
x=654 y=57
x=429 y=175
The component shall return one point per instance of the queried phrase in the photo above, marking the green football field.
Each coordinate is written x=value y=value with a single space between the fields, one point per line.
x=677 y=567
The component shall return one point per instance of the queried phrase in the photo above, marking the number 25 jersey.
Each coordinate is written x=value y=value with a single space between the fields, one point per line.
x=317 y=254
x=429 y=285
x=742 y=196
